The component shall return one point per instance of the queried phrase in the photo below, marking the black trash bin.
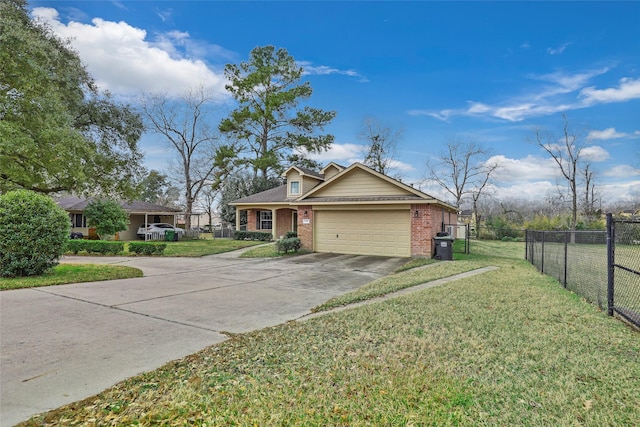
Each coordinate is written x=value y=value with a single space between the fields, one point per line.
x=443 y=247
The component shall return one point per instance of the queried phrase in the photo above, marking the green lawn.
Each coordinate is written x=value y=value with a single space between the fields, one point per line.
x=71 y=273
x=269 y=251
x=508 y=347
x=202 y=247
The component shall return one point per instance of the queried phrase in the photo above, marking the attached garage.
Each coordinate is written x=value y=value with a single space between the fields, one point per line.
x=354 y=210
x=365 y=232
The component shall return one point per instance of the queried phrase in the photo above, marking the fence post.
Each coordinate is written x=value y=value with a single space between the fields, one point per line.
x=542 y=255
x=610 y=263
x=526 y=245
x=566 y=244
x=533 y=243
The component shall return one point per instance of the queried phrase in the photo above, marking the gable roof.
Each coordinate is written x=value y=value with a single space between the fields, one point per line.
x=305 y=172
x=275 y=195
x=396 y=190
x=332 y=164
x=391 y=192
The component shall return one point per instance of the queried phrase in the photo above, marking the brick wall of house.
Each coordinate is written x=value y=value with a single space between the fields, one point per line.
x=283 y=222
x=305 y=231
x=422 y=230
x=251 y=220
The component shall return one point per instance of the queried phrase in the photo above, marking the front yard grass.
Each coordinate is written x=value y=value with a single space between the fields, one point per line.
x=508 y=347
x=202 y=247
x=71 y=273
x=414 y=272
x=269 y=251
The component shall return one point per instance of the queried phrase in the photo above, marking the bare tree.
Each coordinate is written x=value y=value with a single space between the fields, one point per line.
x=207 y=201
x=382 y=143
x=462 y=170
x=183 y=123
x=566 y=153
x=592 y=197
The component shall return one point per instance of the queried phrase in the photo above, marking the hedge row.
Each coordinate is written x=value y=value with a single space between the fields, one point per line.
x=252 y=235
x=285 y=245
x=106 y=247
x=94 y=246
x=147 y=248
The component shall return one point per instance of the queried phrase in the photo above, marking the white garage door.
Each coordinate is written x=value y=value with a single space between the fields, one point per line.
x=386 y=233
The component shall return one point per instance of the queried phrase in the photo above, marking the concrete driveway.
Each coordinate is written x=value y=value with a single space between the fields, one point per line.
x=64 y=343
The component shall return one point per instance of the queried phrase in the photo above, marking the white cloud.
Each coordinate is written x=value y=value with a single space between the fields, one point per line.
x=622 y=171
x=440 y=115
x=595 y=153
x=557 y=92
x=608 y=133
x=558 y=50
x=533 y=190
x=627 y=190
x=323 y=70
x=124 y=61
x=345 y=153
x=627 y=90
x=400 y=166
x=530 y=168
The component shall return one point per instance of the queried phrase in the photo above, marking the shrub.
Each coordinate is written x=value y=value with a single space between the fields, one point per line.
x=94 y=247
x=107 y=217
x=147 y=248
x=74 y=246
x=33 y=232
x=290 y=234
x=285 y=245
x=252 y=235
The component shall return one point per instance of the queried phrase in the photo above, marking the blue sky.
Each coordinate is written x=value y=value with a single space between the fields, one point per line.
x=483 y=72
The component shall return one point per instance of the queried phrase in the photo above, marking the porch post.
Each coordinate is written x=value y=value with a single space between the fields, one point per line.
x=237 y=219
x=274 y=222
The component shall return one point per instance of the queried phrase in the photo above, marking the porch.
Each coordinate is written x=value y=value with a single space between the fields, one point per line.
x=277 y=221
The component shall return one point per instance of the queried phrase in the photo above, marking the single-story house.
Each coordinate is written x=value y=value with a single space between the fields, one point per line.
x=350 y=210
x=139 y=213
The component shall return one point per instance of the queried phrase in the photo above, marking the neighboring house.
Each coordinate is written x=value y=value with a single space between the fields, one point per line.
x=139 y=214
x=352 y=210
x=629 y=213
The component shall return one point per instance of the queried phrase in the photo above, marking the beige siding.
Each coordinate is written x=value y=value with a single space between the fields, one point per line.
x=360 y=183
x=308 y=183
x=331 y=172
x=385 y=233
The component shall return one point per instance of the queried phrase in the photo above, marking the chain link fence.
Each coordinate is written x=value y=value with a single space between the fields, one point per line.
x=602 y=266
x=625 y=269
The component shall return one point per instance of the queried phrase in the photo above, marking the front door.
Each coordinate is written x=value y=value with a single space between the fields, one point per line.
x=294 y=226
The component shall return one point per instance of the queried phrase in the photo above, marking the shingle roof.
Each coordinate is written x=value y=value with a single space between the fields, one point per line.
x=275 y=195
x=72 y=203
x=139 y=206
x=409 y=197
x=311 y=172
